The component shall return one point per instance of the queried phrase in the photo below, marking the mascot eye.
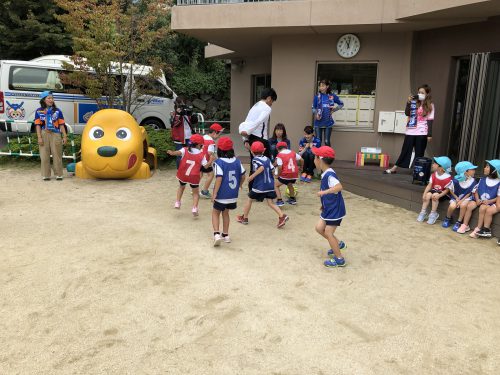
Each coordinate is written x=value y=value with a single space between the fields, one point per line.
x=95 y=133
x=123 y=134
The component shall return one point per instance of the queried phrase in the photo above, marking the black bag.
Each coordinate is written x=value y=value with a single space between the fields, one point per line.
x=422 y=170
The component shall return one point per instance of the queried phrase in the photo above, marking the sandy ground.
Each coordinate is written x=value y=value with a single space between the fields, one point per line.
x=105 y=277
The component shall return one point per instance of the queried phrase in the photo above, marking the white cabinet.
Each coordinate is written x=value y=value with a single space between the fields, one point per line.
x=358 y=110
x=386 y=122
x=400 y=122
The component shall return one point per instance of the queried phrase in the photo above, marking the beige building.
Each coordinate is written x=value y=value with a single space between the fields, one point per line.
x=452 y=45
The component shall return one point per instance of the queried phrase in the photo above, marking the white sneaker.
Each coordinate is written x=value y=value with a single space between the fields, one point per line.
x=195 y=211
x=177 y=204
x=59 y=178
x=227 y=239
x=433 y=216
x=217 y=240
x=421 y=216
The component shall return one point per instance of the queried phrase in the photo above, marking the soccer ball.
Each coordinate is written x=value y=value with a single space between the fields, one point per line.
x=287 y=192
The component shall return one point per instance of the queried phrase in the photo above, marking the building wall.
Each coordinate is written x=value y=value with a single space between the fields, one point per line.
x=241 y=92
x=294 y=78
x=435 y=64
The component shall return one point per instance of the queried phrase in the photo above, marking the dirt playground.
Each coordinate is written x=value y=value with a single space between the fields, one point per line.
x=105 y=277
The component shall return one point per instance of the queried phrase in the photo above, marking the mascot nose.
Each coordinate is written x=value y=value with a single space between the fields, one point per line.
x=107 y=151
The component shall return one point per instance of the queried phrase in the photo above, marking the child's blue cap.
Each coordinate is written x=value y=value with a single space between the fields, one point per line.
x=44 y=94
x=444 y=162
x=461 y=168
x=495 y=164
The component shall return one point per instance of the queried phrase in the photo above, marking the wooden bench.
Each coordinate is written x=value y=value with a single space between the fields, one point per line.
x=362 y=157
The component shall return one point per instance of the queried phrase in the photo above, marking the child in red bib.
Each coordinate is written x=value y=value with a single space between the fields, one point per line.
x=437 y=188
x=192 y=159
x=287 y=162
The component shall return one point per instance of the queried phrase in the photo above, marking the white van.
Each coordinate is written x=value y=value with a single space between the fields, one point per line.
x=21 y=83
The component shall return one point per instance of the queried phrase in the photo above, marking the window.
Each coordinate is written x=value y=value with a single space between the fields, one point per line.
x=34 y=79
x=259 y=83
x=355 y=84
x=153 y=87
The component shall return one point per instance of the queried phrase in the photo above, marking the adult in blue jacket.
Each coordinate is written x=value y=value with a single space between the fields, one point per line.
x=323 y=107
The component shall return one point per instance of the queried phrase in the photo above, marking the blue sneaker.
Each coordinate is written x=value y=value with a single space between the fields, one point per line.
x=446 y=222
x=335 y=262
x=342 y=246
x=292 y=201
x=280 y=203
x=456 y=226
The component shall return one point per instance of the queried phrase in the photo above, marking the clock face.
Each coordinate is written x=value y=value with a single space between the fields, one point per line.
x=348 y=46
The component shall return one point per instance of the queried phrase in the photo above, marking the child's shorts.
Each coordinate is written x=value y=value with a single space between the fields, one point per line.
x=206 y=170
x=455 y=201
x=259 y=197
x=224 y=206
x=192 y=185
x=286 y=182
x=443 y=198
x=333 y=223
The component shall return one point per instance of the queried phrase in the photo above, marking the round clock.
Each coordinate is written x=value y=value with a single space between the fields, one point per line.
x=348 y=46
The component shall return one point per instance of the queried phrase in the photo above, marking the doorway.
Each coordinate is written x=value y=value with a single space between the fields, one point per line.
x=475 y=128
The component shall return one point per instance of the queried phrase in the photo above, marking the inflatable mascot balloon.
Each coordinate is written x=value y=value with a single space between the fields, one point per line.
x=115 y=146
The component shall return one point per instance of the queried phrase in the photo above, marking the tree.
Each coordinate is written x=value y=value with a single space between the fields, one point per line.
x=111 y=39
x=29 y=29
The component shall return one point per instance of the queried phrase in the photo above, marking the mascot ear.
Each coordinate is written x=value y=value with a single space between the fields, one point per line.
x=10 y=105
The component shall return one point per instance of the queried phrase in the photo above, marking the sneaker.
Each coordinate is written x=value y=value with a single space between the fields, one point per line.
x=292 y=201
x=463 y=229
x=421 y=216
x=195 y=211
x=217 y=239
x=498 y=241
x=342 y=246
x=241 y=219
x=335 y=262
x=205 y=194
x=59 y=178
x=280 y=203
x=303 y=177
x=46 y=178
x=282 y=220
x=177 y=204
x=308 y=178
x=484 y=232
x=433 y=216
x=446 y=222
x=474 y=232
x=226 y=239
x=456 y=226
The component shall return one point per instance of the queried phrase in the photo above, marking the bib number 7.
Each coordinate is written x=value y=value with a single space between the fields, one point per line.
x=191 y=164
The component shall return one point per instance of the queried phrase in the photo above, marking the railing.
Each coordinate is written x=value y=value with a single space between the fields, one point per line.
x=21 y=143
x=210 y=2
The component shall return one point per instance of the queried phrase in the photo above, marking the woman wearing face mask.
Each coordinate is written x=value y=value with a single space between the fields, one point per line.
x=418 y=132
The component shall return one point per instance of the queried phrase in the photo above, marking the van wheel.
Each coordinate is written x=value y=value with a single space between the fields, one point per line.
x=154 y=123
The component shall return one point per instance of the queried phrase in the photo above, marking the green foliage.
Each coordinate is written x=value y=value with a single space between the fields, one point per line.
x=29 y=29
x=162 y=141
x=191 y=81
